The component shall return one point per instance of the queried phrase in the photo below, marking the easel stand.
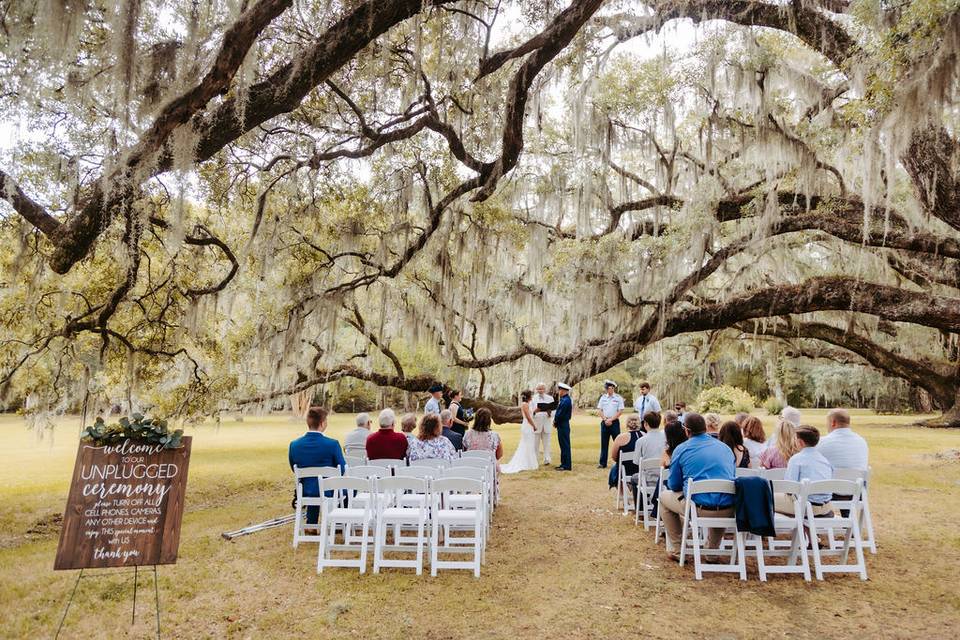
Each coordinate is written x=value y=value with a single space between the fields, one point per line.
x=133 y=613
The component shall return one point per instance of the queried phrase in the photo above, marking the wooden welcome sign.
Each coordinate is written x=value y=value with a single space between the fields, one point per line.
x=125 y=506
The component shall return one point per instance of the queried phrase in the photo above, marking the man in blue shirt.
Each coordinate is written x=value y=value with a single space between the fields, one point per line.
x=313 y=449
x=700 y=458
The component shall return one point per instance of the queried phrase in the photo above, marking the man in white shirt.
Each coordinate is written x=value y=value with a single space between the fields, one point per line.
x=542 y=422
x=646 y=401
x=433 y=404
x=844 y=448
x=358 y=437
x=610 y=406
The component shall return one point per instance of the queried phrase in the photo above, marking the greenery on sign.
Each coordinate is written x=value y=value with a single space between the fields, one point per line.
x=138 y=429
x=725 y=399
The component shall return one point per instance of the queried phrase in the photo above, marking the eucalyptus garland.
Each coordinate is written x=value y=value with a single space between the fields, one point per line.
x=136 y=428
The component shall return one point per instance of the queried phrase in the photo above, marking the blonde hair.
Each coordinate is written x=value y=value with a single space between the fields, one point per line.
x=633 y=422
x=712 y=419
x=786 y=439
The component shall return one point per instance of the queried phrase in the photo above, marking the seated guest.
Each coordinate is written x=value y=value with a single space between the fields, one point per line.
x=313 y=449
x=385 y=443
x=713 y=424
x=358 y=436
x=807 y=464
x=481 y=438
x=844 y=448
x=784 y=445
x=430 y=443
x=408 y=423
x=791 y=415
x=731 y=436
x=653 y=443
x=446 y=421
x=700 y=458
x=740 y=418
x=673 y=435
x=681 y=410
x=623 y=448
x=754 y=439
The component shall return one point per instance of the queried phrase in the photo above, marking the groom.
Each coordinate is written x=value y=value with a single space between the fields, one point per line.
x=561 y=422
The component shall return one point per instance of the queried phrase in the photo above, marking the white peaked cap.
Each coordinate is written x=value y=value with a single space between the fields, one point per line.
x=610 y=383
x=563 y=385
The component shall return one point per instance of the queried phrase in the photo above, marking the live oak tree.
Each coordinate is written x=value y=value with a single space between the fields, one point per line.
x=222 y=203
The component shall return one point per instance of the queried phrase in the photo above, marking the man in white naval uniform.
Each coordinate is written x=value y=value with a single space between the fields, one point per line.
x=542 y=422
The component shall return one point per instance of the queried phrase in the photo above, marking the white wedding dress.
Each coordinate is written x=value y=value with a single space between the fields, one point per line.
x=525 y=457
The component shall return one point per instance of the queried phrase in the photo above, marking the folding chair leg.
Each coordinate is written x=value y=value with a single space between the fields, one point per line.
x=297 y=528
x=761 y=565
x=322 y=549
x=814 y=543
x=378 y=531
x=365 y=537
x=741 y=555
x=420 y=527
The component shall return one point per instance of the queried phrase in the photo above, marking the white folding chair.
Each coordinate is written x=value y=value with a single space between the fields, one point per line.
x=849 y=524
x=370 y=472
x=302 y=501
x=797 y=552
x=403 y=515
x=660 y=529
x=645 y=491
x=490 y=464
x=749 y=473
x=486 y=454
x=694 y=524
x=431 y=463
x=775 y=474
x=387 y=463
x=866 y=520
x=354 y=461
x=623 y=489
x=335 y=514
x=446 y=516
x=356 y=450
x=468 y=501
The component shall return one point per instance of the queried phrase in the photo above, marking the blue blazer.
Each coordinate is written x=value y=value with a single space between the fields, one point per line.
x=313 y=449
x=561 y=417
x=455 y=438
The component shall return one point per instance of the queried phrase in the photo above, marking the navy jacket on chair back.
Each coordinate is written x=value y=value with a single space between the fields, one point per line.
x=754 y=506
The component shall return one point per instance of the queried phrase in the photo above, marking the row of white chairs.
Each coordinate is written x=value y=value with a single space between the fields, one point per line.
x=424 y=499
x=855 y=528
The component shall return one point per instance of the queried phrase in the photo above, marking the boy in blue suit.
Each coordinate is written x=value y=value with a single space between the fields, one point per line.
x=313 y=449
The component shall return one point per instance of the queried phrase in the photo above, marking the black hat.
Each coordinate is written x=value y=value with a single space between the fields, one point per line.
x=436 y=387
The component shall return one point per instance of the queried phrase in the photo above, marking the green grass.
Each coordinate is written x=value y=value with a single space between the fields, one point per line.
x=561 y=562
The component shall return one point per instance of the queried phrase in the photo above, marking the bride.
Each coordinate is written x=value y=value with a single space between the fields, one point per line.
x=525 y=458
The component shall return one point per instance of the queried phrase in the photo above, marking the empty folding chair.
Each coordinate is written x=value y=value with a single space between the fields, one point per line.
x=482 y=463
x=370 y=472
x=412 y=515
x=849 y=525
x=340 y=513
x=796 y=554
x=302 y=502
x=645 y=491
x=354 y=461
x=866 y=520
x=356 y=450
x=469 y=501
x=444 y=516
x=694 y=523
x=424 y=473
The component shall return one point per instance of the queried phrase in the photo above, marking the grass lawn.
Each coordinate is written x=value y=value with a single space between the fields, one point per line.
x=561 y=563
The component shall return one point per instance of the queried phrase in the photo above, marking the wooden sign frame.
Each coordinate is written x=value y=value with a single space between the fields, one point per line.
x=125 y=506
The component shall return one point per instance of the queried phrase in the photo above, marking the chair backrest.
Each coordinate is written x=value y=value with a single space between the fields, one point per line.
x=456 y=485
x=355 y=449
x=789 y=486
x=315 y=472
x=386 y=463
x=347 y=484
x=748 y=473
x=477 y=463
x=473 y=473
x=367 y=471
x=839 y=487
x=354 y=461
x=417 y=472
x=848 y=473
x=649 y=464
x=432 y=463
x=400 y=484
x=710 y=486
x=775 y=474
x=478 y=453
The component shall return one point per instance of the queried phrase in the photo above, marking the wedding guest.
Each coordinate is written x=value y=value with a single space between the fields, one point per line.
x=740 y=418
x=408 y=423
x=674 y=435
x=653 y=444
x=700 y=458
x=731 y=436
x=713 y=424
x=807 y=464
x=446 y=420
x=459 y=414
x=611 y=407
x=433 y=404
x=791 y=415
x=646 y=401
x=754 y=439
x=358 y=436
x=624 y=446
x=481 y=437
x=385 y=442
x=844 y=448
x=313 y=449
x=783 y=445
x=430 y=443
x=681 y=409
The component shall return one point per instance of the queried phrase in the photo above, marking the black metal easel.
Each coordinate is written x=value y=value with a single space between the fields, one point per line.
x=133 y=613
